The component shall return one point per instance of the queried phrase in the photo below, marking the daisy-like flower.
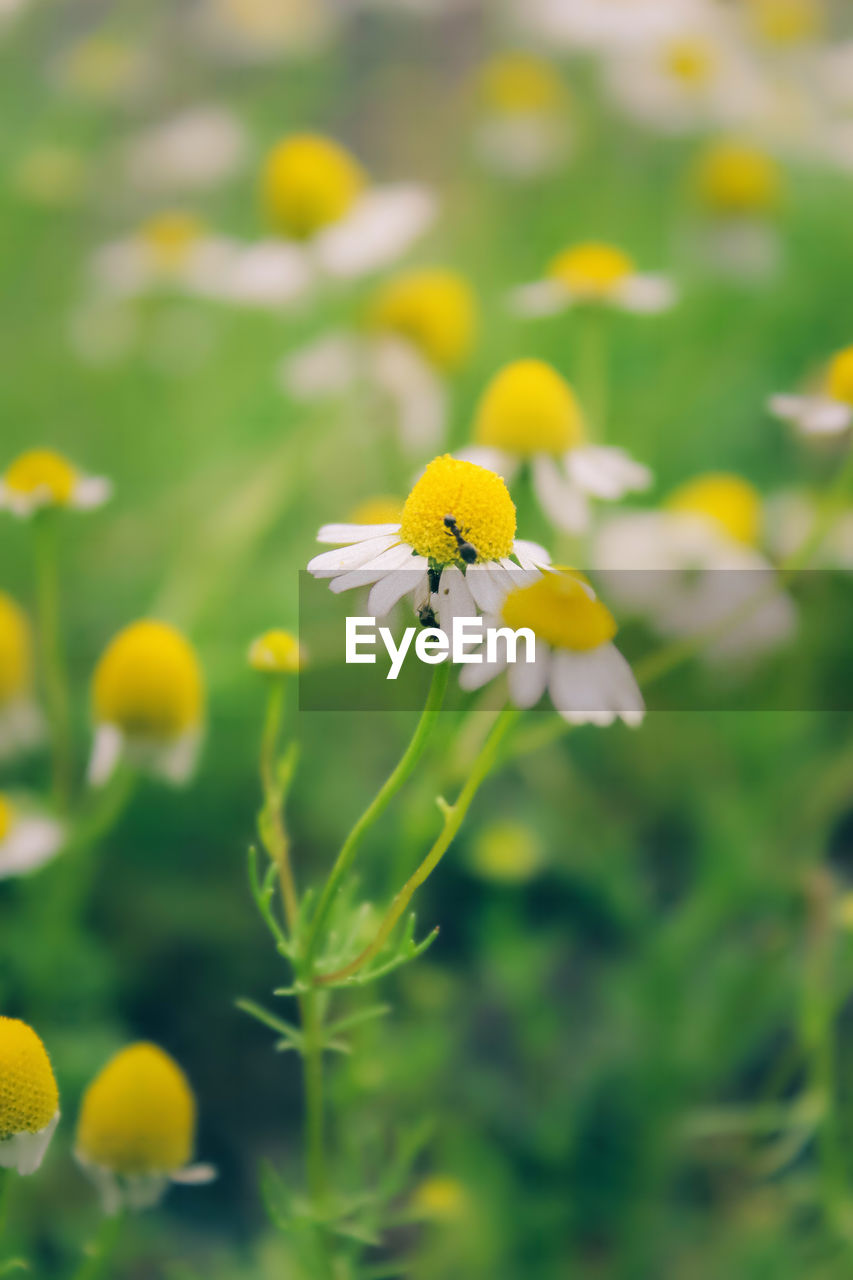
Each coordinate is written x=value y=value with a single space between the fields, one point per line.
x=29 y=1098
x=695 y=566
x=148 y=703
x=454 y=550
x=315 y=193
x=276 y=653
x=41 y=478
x=136 y=1130
x=524 y=116
x=193 y=151
x=826 y=410
x=528 y=415
x=27 y=839
x=594 y=273
x=21 y=721
x=254 y=31
x=739 y=188
x=587 y=678
x=420 y=328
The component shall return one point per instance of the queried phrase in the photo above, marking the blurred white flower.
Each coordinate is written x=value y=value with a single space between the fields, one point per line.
x=826 y=410
x=41 y=478
x=195 y=150
x=264 y=30
x=524 y=126
x=593 y=273
x=601 y=25
x=28 y=839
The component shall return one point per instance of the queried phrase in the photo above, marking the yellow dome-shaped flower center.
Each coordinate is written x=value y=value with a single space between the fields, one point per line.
x=529 y=408
x=435 y=310
x=276 y=652
x=43 y=473
x=309 y=182
x=592 y=270
x=170 y=237
x=558 y=609
x=735 y=178
x=840 y=376
x=7 y=817
x=479 y=502
x=518 y=84
x=15 y=651
x=379 y=510
x=29 y=1098
x=441 y=1198
x=787 y=22
x=691 y=61
x=148 y=682
x=138 y=1115
x=728 y=500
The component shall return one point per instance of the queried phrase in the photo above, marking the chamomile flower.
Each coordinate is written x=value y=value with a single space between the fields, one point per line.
x=738 y=187
x=29 y=1099
x=315 y=193
x=454 y=550
x=195 y=150
x=420 y=327
x=276 y=653
x=695 y=566
x=136 y=1129
x=826 y=410
x=172 y=250
x=42 y=478
x=529 y=416
x=254 y=31
x=594 y=273
x=587 y=678
x=21 y=721
x=27 y=839
x=147 y=703
x=523 y=128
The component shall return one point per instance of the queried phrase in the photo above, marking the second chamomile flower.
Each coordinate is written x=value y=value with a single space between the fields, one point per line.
x=29 y=1099
x=594 y=273
x=43 y=478
x=28 y=839
x=827 y=409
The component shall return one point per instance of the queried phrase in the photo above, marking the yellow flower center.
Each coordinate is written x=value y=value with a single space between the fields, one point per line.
x=840 y=376
x=380 y=510
x=148 y=682
x=517 y=83
x=138 y=1115
x=479 y=502
x=100 y=67
x=529 y=408
x=309 y=182
x=507 y=852
x=691 y=61
x=728 y=500
x=29 y=1098
x=435 y=310
x=170 y=237
x=733 y=178
x=276 y=652
x=42 y=472
x=15 y=651
x=787 y=22
x=592 y=271
x=559 y=611
x=7 y=817
x=441 y=1198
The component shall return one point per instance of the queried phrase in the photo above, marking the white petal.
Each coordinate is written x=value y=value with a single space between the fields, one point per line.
x=483 y=455
x=269 y=274
x=24 y=1152
x=488 y=585
x=355 y=532
x=561 y=500
x=107 y=749
x=195 y=1175
x=343 y=559
x=647 y=294
x=606 y=472
x=475 y=674
x=389 y=589
x=381 y=228
x=530 y=554
x=788 y=407
x=32 y=841
x=541 y=298
x=418 y=395
x=90 y=492
x=527 y=680
x=825 y=417
x=454 y=599
x=176 y=761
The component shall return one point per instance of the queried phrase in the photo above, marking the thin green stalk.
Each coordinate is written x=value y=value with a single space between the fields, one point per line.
x=274 y=829
x=454 y=815
x=5 y=1197
x=591 y=320
x=315 y=1123
x=377 y=806
x=100 y=1252
x=52 y=654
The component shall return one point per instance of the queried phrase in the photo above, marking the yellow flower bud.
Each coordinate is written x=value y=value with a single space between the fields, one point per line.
x=276 y=652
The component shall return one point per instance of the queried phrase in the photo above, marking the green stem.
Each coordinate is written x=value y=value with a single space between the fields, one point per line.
x=315 y=1124
x=273 y=827
x=454 y=816
x=52 y=654
x=5 y=1197
x=592 y=367
x=100 y=1252
x=377 y=806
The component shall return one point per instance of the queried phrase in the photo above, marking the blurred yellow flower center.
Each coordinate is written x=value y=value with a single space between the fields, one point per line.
x=29 y=1098
x=507 y=852
x=734 y=178
x=592 y=270
x=170 y=237
x=691 y=61
x=558 y=610
x=276 y=652
x=42 y=472
x=309 y=182
x=380 y=510
x=728 y=500
x=100 y=66
x=840 y=377
x=434 y=310
x=138 y=1115
x=517 y=83
x=15 y=650
x=148 y=682
x=529 y=408
x=7 y=817
x=440 y=1197
x=787 y=22
x=477 y=499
